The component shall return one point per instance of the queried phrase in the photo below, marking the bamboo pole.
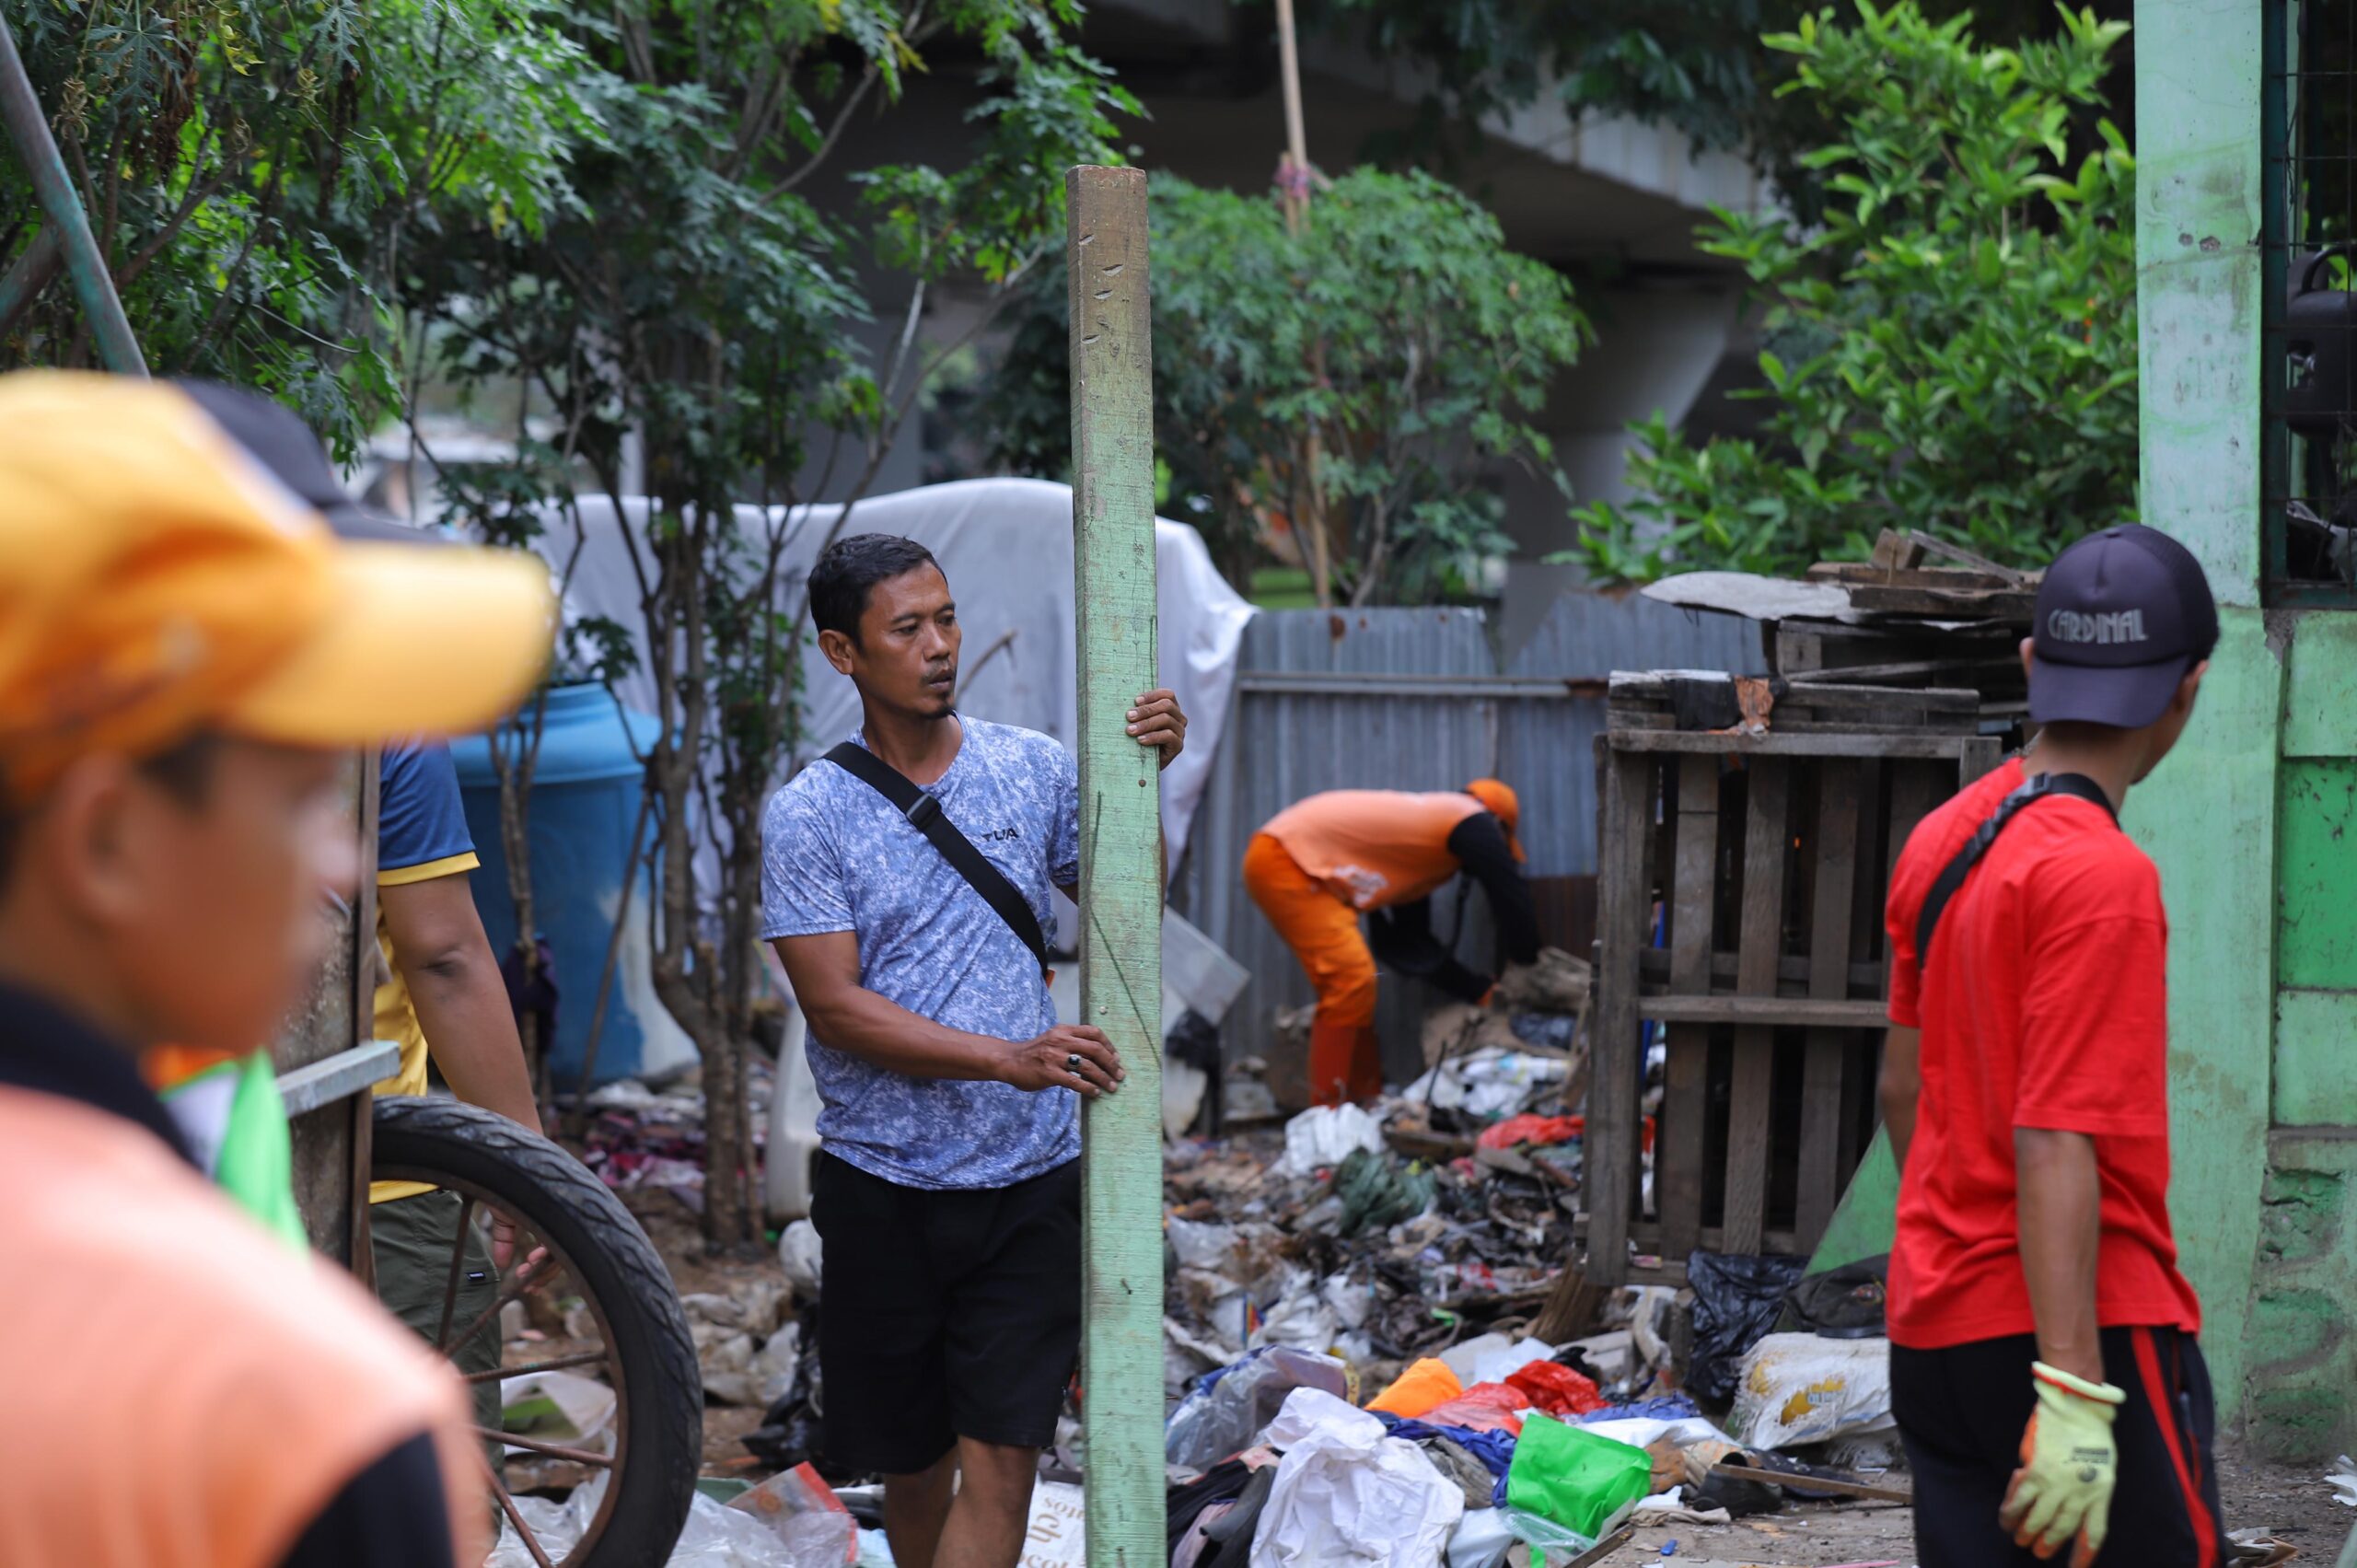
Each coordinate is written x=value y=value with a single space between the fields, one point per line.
x=21 y=112
x=1120 y=888
x=1307 y=506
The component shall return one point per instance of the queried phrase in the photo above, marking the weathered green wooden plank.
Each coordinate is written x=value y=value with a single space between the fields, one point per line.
x=1120 y=888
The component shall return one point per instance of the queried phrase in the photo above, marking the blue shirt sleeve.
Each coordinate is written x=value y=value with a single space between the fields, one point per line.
x=803 y=890
x=420 y=817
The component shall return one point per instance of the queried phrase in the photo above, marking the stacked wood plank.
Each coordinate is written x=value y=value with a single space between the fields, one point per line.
x=1745 y=847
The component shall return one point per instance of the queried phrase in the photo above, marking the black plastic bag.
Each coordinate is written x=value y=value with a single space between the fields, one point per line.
x=1736 y=1300
x=1844 y=1303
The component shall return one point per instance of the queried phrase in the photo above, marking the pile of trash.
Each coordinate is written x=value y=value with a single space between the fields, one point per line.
x=637 y=1135
x=1383 y=1233
x=1496 y=1441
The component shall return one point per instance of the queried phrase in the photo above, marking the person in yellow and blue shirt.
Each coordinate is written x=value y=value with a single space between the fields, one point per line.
x=444 y=985
x=445 y=1001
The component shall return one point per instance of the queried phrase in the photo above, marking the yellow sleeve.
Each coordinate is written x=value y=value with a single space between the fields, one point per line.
x=427 y=870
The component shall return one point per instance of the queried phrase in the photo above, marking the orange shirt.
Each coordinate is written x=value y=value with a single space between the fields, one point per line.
x=183 y=1390
x=1374 y=848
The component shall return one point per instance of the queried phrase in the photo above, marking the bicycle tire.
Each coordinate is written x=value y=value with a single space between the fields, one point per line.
x=558 y=1198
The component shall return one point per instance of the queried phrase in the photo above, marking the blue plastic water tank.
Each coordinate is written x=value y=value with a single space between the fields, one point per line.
x=586 y=791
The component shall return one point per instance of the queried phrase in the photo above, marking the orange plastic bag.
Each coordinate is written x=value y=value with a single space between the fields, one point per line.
x=1426 y=1384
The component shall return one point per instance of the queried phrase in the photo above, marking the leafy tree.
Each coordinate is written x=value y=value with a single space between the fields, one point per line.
x=695 y=296
x=252 y=171
x=1396 y=323
x=1952 y=350
x=1699 y=65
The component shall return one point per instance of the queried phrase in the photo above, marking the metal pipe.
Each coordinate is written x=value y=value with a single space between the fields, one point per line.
x=21 y=112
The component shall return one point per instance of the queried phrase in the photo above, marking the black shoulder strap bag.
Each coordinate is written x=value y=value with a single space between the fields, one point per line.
x=1952 y=876
x=925 y=814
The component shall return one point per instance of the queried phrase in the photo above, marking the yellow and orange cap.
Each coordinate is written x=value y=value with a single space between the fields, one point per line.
x=156 y=581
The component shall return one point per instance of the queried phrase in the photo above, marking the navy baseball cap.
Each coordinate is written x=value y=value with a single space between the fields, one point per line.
x=2121 y=616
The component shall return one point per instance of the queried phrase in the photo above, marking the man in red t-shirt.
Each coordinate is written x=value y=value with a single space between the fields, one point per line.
x=2043 y=1362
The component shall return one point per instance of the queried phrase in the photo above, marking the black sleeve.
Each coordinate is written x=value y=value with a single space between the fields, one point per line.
x=1480 y=845
x=1401 y=939
x=392 y=1515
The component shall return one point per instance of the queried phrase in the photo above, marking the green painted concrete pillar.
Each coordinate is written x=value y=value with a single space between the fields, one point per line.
x=2208 y=816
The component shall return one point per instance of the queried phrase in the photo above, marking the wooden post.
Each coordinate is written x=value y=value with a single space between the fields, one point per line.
x=1121 y=887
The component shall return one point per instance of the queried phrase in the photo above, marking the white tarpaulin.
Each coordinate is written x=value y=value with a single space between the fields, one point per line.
x=1007 y=547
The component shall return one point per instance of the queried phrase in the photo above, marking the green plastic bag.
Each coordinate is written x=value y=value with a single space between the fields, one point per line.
x=1573 y=1477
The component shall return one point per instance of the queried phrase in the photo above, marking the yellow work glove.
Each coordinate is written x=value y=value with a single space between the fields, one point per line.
x=2070 y=1464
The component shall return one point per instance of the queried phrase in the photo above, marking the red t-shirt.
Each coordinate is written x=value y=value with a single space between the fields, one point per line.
x=2046 y=1006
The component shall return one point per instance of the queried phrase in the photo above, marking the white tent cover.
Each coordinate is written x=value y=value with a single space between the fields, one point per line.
x=1007 y=547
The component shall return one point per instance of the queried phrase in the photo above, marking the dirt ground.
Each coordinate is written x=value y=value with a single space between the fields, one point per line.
x=2290 y=1503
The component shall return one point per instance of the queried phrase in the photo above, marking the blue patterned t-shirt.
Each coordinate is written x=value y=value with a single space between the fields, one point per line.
x=837 y=857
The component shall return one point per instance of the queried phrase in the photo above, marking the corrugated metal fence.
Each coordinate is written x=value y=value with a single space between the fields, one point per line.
x=1416 y=700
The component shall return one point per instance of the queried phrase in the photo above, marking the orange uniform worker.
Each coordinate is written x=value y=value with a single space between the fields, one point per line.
x=1319 y=864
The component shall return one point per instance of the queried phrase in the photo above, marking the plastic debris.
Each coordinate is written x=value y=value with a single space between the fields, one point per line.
x=1569 y=1475
x=1736 y=1302
x=1540 y=1131
x=1323 y=1137
x=799 y=1253
x=1229 y=1408
x=1492 y=1358
x=1346 y=1492
x=2343 y=1483
x=1426 y=1384
x=807 y=1517
x=1482 y=1541
x=1799 y=1389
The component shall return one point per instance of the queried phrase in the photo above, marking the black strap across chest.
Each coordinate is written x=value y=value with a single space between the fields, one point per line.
x=1952 y=874
x=925 y=814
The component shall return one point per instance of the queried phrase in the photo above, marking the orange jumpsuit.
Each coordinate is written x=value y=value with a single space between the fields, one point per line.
x=1316 y=866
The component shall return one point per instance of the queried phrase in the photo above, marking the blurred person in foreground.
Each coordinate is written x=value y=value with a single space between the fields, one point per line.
x=188 y=662
x=441 y=998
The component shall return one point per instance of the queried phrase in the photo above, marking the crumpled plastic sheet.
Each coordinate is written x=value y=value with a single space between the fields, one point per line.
x=1348 y=1493
x=1323 y=1137
x=1228 y=1408
x=715 y=1536
x=1490 y=1083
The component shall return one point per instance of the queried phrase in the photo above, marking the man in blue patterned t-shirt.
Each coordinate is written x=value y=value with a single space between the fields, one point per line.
x=947 y=1191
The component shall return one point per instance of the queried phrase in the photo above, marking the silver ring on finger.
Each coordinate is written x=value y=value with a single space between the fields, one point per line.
x=1071 y=1063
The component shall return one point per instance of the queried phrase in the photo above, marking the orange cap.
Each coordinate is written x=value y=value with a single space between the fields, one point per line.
x=1499 y=800
x=154 y=581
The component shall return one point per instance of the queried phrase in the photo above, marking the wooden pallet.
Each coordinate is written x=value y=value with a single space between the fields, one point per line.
x=1763 y=859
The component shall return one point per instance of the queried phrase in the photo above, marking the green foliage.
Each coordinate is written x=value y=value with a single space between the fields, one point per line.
x=1396 y=324
x=1952 y=350
x=1701 y=66
x=251 y=171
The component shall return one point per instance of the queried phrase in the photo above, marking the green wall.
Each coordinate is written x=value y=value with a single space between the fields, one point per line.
x=2208 y=816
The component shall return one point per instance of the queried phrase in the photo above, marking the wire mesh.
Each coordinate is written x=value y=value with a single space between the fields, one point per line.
x=2309 y=239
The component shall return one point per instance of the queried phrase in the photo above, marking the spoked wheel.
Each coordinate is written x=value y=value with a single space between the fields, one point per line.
x=579 y=1260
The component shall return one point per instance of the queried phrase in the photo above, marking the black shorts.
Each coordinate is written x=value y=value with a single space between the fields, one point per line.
x=1961 y=1412
x=944 y=1315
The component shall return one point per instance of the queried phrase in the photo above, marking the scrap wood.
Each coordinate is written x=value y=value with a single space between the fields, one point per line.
x=1604 y=1548
x=1846 y=1488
